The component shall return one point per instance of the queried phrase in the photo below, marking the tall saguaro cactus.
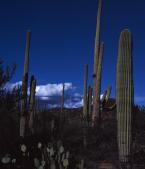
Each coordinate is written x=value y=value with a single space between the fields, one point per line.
x=32 y=104
x=62 y=114
x=85 y=91
x=24 y=87
x=95 y=113
x=124 y=96
x=96 y=103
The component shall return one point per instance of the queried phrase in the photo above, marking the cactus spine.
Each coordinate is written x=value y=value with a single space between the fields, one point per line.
x=32 y=104
x=124 y=96
x=95 y=113
x=85 y=105
x=24 y=87
x=85 y=91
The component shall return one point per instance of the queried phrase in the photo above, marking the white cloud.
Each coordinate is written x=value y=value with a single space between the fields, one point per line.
x=51 y=93
x=78 y=95
x=72 y=104
x=44 y=90
x=101 y=96
x=44 y=98
x=52 y=89
x=11 y=86
x=52 y=106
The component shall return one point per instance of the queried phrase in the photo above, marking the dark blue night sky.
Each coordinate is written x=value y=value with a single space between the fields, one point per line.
x=62 y=41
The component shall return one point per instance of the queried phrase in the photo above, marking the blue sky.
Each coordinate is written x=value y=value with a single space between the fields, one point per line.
x=62 y=41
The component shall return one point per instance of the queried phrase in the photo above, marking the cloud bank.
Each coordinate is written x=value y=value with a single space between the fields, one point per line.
x=50 y=94
x=52 y=89
x=11 y=86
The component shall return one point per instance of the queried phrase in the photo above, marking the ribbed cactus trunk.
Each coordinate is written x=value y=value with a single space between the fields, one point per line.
x=85 y=105
x=17 y=98
x=96 y=107
x=90 y=91
x=85 y=92
x=124 y=97
x=95 y=113
x=32 y=104
x=99 y=75
x=63 y=114
x=24 y=88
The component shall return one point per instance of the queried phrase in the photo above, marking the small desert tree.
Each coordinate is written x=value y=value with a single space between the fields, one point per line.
x=6 y=73
x=7 y=105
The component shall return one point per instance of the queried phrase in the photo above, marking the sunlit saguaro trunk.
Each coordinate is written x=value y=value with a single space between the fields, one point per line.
x=95 y=113
x=124 y=97
x=23 y=115
x=32 y=104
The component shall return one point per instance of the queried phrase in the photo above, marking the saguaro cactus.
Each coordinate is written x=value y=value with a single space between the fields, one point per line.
x=32 y=104
x=96 y=103
x=85 y=91
x=124 y=96
x=95 y=113
x=24 y=88
x=85 y=110
x=63 y=113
